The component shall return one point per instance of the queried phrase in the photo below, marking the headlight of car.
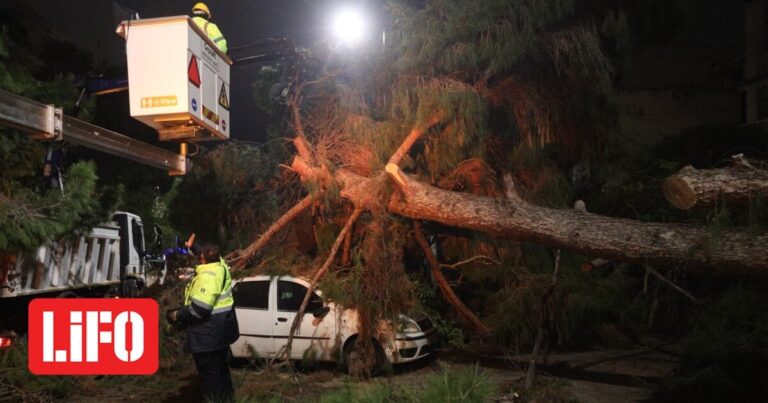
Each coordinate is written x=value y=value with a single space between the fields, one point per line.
x=407 y=327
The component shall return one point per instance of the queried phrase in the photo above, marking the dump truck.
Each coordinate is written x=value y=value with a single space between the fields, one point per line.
x=107 y=261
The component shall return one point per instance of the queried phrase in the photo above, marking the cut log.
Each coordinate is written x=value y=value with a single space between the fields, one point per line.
x=693 y=187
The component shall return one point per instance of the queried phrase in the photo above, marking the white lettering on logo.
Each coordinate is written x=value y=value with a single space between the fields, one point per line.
x=137 y=325
x=125 y=322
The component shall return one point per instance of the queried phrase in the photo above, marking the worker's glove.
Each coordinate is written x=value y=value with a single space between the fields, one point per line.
x=174 y=318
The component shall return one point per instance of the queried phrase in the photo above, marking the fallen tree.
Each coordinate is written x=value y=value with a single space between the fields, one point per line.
x=391 y=155
x=584 y=233
x=569 y=229
x=572 y=229
x=512 y=218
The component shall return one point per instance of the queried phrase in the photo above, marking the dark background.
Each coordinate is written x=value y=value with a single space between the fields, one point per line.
x=90 y=24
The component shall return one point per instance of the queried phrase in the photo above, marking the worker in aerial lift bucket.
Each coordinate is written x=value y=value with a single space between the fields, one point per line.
x=208 y=315
x=201 y=16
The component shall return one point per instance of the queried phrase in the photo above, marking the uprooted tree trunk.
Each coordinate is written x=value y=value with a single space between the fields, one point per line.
x=692 y=187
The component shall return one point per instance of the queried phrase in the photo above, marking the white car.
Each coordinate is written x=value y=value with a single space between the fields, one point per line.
x=266 y=307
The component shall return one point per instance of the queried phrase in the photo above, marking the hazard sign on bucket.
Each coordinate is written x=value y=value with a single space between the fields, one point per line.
x=194 y=72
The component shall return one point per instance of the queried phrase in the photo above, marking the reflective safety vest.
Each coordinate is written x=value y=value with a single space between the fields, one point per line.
x=209 y=304
x=213 y=32
x=211 y=288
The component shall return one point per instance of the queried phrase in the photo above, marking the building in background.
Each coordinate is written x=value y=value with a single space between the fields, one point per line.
x=689 y=77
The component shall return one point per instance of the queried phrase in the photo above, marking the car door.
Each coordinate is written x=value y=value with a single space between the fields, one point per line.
x=254 y=318
x=314 y=338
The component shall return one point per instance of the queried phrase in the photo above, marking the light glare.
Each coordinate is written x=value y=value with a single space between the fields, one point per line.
x=349 y=26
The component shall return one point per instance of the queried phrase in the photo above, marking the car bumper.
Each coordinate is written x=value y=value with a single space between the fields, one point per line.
x=412 y=347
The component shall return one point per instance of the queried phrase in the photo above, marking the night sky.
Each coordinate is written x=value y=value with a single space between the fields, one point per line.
x=702 y=30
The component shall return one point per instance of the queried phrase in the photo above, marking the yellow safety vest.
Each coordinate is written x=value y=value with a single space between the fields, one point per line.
x=213 y=32
x=211 y=288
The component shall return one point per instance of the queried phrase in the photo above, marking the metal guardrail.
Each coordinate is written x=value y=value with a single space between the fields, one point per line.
x=46 y=122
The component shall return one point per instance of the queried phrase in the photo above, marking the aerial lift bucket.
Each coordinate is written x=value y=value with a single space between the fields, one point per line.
x=178 y=80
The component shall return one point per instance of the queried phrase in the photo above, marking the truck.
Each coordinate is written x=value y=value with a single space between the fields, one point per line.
x=108 y=261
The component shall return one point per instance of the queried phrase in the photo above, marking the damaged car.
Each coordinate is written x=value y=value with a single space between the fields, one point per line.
x=266 y=307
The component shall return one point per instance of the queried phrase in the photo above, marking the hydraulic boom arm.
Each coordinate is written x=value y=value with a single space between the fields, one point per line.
x=48 y=123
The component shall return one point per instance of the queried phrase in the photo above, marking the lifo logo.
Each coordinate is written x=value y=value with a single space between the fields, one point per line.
x=93 y=336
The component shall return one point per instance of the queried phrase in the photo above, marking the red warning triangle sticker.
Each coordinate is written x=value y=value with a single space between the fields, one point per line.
x=193 y=72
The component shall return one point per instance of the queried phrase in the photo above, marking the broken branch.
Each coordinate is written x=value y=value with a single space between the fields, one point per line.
x=240 y=260
x=465 y=314
x=318 y=275
x=542 y=323
x=470 y=260
x=671 y=284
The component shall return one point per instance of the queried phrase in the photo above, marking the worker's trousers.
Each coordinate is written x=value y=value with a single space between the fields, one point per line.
x=214 y=369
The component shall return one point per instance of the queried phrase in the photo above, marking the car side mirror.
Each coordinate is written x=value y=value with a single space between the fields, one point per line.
x=321 y=312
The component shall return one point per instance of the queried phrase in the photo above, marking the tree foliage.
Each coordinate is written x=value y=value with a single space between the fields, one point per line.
x=495 y=87
x=229 y=196
x=30 y=211
x=470 y=91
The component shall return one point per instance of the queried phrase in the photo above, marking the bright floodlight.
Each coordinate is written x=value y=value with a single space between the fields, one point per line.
x=349 y=26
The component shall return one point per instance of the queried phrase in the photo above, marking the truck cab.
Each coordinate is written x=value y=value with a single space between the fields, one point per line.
x=132 y=252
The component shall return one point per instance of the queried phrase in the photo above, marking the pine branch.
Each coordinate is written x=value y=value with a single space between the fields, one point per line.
x=286 y=351
x=414 y=135
x=470 y=260
x=300 y=141
x=239 y=260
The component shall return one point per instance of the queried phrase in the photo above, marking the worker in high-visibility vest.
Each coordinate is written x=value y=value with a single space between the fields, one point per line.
x=201 y=16
x=209 y=317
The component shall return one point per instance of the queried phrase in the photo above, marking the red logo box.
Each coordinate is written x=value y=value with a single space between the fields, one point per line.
x=93 y=336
